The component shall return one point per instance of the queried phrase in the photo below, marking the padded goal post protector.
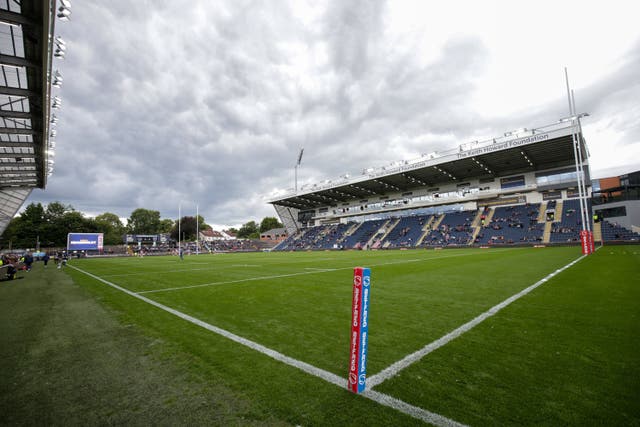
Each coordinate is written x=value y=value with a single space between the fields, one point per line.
x=359 y=329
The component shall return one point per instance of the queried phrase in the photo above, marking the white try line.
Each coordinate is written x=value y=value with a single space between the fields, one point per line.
x=395 y=368
x=314 y=271
x=329 y=377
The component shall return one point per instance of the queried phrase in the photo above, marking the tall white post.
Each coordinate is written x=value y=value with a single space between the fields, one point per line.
x=197 y=232
x=575 y=148
x=582 y=176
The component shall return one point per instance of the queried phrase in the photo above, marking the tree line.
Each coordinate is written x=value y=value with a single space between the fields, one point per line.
x=49 y=225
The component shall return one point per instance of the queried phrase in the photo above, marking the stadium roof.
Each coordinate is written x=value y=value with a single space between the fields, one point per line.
x=514 y=153
x=26 y=40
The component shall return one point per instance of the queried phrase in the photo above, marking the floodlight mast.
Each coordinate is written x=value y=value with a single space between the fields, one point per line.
x=296 y=169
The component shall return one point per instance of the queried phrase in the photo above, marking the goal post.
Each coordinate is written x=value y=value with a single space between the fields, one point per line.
x=359 y=329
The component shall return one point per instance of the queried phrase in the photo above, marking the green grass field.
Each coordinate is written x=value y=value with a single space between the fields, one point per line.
x=567 y=353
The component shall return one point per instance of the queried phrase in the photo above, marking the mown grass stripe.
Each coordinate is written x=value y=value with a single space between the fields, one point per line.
x=407 y=361
x=329 y=377
x=314 y=271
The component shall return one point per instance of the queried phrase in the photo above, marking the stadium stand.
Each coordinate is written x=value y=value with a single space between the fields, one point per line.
x=406 y=233
x=333 y=235
x=453 y=229
x=567 y=229
x=512 y=225
x=287 y=244
x=302 y=241
x=233 y=245
x=616 y=233
x=518 y=188
x=363 y=234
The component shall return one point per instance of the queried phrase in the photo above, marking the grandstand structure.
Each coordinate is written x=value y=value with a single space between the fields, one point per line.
x=519 y=188
x=27 y=51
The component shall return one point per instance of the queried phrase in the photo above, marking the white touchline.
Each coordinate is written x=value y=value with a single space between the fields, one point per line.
x=395 y=368
x=329 y=377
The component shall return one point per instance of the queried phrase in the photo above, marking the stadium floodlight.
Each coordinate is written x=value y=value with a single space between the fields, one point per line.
x=57 y=79
x=61 y=48
x=59 y=53
x=57 y=102
x=296 y=169
x=300 y=156
x=60 y=44
x=64 y=11
x=515 y=132
x=572 y=118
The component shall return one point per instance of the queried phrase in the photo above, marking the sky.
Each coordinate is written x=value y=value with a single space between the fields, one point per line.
x=205 y=105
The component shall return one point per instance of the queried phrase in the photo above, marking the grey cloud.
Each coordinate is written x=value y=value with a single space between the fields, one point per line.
x=209 y=103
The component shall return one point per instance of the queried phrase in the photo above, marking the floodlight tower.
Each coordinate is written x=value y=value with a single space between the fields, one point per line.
x=296 y=169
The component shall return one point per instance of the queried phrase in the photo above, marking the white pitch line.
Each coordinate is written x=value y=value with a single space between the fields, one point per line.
x=414 y=411
x=325 y=270
x=163 y=271
x=235 y=281
x=329 y=377
x=396 y=367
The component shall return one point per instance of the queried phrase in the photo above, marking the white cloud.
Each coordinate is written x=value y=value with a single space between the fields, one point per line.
x=209 y=102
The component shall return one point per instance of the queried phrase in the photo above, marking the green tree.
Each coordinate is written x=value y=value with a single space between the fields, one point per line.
x=23 y=230
x=201 y=224
x=249 y=231
x=55 y=227
x=56 y=210
x=269 y=223
x=144 y=221
x=187 y=228
x=113 y=229
x=166 y=225
x=49 y=226
x=29 y=226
